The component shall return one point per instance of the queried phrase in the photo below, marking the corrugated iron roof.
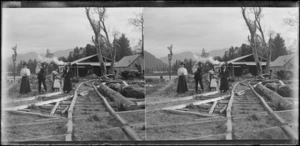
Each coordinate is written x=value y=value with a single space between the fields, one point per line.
x=126 y=60
x=281 y=60
x=242 y=57
x=84 y=58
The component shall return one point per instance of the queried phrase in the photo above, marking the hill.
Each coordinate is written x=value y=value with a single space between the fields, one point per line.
x=180 y=56
x=151 y=62
x=34 y=55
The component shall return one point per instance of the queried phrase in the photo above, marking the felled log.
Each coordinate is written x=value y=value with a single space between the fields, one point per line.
x=275 y=98
x=133 y=93
x=285 y=91
x=117 y=98
x=117 y=87
x=272 y=86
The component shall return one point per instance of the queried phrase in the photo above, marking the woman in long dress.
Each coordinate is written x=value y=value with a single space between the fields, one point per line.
x=182 y=77
x=56 y=81
x=213 y=81
x=67 y=75
x=25 y=85
x=224 y=81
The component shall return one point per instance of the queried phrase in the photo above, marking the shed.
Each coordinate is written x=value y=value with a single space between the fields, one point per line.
x=88 y=65
x=285 y=63
x=130 y=63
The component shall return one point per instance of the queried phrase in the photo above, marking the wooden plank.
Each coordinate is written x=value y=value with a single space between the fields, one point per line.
x=124 y=82
x=132 y=111
x=135 y=100
x=54 y=108
x=30 y=113
x=125 y=126
x=286 y=129
x=35 y=97
x=195 y=103
x=65 y=110
x=212 y=108
x=190 y=113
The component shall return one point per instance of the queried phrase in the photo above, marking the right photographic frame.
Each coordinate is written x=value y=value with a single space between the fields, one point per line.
x=222 y=73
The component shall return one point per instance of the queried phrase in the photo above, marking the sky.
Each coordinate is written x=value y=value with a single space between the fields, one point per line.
x=36 y=29
x=191 y=29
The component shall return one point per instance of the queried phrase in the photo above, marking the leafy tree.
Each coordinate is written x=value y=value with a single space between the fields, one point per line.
x=245 y=49
x=279 y=47
x=123 y=47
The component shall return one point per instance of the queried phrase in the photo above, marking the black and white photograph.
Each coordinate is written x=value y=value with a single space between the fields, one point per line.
x=150 y=72
x=217 y=73
x=72 y=74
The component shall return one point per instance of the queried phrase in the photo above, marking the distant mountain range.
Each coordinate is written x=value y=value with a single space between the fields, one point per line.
x=151 y=62
x=34 y=55
x=188 y=55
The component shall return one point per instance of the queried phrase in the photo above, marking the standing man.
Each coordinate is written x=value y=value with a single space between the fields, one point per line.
x=198 y=77
x=42 y=77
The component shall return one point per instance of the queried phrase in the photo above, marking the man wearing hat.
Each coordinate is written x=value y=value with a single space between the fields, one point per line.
x=198 y=77
x=42 y=77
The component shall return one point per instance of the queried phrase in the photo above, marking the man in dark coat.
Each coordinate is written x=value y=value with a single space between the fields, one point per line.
x=224 y=73
x=67 y=75
x=198 y=77
x=42 y=78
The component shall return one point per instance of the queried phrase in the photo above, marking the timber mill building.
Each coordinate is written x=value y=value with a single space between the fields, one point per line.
x=240 y=65
x=90 y=64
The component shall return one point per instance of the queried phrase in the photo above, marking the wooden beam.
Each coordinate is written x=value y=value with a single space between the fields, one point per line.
x=54 y=108
x=212 y=108
x=132 y=111
x=35 y=97
x=196 y=103
x=65 y=110
x=189 y=113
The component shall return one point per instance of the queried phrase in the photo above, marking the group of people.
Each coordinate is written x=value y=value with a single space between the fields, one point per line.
x=41 y=76
x=198 y=78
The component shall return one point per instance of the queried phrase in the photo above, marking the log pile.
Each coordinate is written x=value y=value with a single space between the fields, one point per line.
x=278 y=101
x=119 y=100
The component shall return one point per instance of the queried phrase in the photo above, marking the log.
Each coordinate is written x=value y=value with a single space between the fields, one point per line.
x=24 y=110
x=129 y=91
x=117 y=98
x=136 y=100
x=189 y=113
x=275 y=98
x=212 y=108
x=35 y=97
x=111 y=111
x=54 y=108
x=196 y=103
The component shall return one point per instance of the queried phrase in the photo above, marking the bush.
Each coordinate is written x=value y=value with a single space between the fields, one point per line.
x=284 y=75
x=285 y=91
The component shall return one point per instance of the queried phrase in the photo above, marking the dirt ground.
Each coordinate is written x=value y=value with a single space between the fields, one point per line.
x=15 y=118
x=33 y=131
x=179 y=132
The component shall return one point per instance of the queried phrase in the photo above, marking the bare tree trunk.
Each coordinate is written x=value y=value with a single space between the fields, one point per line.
x=252 y=29
x=97 y=42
